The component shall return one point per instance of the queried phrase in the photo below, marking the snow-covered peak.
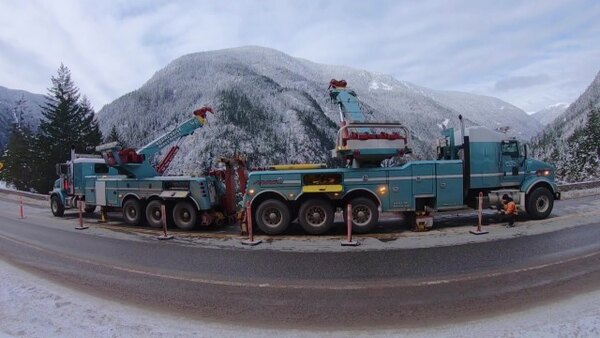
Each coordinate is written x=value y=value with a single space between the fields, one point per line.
x=275 y=107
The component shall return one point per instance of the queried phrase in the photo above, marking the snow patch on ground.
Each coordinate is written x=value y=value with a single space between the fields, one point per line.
x=33 y=307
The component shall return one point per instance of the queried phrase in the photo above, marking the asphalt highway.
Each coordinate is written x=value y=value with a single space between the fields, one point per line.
x=387 y=288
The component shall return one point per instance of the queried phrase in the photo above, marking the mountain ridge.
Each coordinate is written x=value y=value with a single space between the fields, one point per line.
x=8 y=99
x=276 y=109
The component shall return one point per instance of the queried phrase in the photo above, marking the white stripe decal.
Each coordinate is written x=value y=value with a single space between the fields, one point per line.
x=400 y=178
x=487 y=175
x=291 y=182
x=450 y=176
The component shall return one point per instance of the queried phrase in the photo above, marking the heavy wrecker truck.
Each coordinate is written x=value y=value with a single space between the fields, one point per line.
x=129 y=180
x=480 y=161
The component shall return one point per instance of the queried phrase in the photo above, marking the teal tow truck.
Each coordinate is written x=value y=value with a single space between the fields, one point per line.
x=480 y=161
x=132 y=181
x=70 y=187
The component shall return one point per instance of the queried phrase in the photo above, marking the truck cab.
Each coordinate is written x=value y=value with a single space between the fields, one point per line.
x=496 y=164
x=69 y=188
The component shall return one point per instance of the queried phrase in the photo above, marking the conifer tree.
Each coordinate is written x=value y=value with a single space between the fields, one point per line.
x=18 y=156
x=114 y=136
x=68 y=122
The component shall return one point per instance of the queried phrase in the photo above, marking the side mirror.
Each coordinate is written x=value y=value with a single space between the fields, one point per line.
x=57 y=168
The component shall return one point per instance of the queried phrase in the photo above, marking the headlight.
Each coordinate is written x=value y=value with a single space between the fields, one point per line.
x=544 y=172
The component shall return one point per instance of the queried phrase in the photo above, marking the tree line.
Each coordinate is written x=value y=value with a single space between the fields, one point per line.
x=68 y=121
x=578 y=158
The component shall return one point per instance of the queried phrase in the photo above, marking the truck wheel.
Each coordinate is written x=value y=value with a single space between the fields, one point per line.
x=539 y=203
x=133 y=213
x=89 y=209
x=154 y=213
x=272 y=217
x=316 y=216
x=185 y=215
x=364 y=215
x=58 y=209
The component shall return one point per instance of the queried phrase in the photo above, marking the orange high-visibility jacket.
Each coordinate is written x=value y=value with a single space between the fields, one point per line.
x=510 y=208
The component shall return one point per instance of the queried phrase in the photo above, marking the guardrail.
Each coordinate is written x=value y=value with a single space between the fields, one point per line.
x=33 y=195
x=579 y=185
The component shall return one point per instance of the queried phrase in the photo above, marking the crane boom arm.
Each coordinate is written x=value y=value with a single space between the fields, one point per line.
x=139 y=163
x=186 y=128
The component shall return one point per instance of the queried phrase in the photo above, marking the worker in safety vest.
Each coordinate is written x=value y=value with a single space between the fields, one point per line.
x=510 y=210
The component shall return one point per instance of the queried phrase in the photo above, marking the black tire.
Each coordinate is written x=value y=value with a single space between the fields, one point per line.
x=89 y=209
x=316 y=216
x=272 y=217
x=58 y=209
x=185 y=215
x=133 y=212
x=154 y=213
x=364 y=215
x=540 y=203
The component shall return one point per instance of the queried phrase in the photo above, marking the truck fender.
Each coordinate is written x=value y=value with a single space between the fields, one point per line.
x=529 y=183
x=268 y=191
x=62 y=195
x=128 y=195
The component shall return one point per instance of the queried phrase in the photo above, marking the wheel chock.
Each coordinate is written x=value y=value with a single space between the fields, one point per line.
x=103 y=215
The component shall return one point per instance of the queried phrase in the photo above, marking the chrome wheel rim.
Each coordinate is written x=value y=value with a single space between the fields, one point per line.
x=542 y=203
x=316 y=216
x=361 y=215
x=272 y=217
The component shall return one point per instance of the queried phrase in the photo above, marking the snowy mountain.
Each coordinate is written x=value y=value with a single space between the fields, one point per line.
x=8 y=99
x=548 y=114
x=573 y=118
x=275 y=108
x=562 y=142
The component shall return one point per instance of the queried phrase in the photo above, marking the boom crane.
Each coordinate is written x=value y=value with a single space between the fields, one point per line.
x=138 y=164
x=363 y=143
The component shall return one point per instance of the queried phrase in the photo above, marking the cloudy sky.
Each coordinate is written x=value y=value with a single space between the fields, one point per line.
x=529 y=53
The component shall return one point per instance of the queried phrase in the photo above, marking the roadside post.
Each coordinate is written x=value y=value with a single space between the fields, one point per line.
x=479 y=216
x=163 y=218
x=21 y=211
x=349 y=241
x=250 y=240
x=80 y=207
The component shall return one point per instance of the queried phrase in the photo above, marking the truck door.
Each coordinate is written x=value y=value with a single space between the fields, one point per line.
x=511 y=163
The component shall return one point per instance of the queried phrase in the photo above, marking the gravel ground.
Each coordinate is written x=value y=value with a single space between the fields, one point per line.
x=34 y=307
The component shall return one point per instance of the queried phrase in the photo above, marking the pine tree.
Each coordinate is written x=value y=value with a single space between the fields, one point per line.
x=68 y=122
x=114 y=136
x=18 y=156
x=591 y=144
x=90 y=131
